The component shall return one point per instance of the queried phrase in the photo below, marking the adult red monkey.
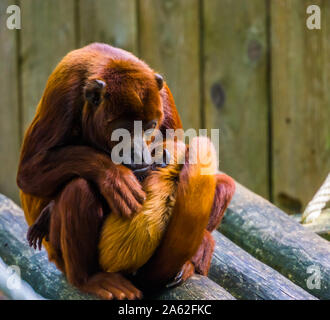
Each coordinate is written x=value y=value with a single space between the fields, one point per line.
x=65 y=166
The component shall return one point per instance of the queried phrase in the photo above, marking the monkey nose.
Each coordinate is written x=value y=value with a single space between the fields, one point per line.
x=163 y=161
x=139 y=162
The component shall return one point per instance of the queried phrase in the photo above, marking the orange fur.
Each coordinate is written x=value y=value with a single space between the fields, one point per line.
x=126 y=245
x=65 y=158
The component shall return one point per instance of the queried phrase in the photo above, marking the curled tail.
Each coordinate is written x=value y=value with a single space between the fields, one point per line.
x=190 y=216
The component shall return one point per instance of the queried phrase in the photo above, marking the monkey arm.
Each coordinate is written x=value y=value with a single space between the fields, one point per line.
x=44 y=174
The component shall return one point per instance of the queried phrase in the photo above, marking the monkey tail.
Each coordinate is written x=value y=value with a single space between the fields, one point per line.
x=190 y=215
x=195 y=194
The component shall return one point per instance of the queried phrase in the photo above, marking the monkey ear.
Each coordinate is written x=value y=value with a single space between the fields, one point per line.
x=93 y=91
x=160 y=81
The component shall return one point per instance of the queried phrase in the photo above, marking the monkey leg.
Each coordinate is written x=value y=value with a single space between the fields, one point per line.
x=225 y=189
x=74 y=234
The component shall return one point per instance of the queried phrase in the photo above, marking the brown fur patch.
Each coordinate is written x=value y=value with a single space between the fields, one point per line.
x=127 y=244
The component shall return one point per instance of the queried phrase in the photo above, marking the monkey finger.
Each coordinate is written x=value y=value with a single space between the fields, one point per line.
x=117 y=293
x=30 y=238
x=104 y=294
x=129 y=199
x=34 y=244
x=135 y=292
x=100 y=292
x=40 y=243
x=119 y=206
x=120 y=287
x=30 y=241
x=136 y=189
x=128 y=294
x=29 y=235
x=33 y=232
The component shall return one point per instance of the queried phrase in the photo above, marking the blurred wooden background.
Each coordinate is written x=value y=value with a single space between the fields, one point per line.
x=250 y=68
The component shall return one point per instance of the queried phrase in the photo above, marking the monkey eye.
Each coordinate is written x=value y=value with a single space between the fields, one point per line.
x=151 y=125
x=148 y=133
x=149 y=128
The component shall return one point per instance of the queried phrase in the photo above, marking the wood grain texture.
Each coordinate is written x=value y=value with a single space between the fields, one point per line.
x=50 y=283
x=23 y=291
x=277 y=240
x=9 y=107
x=47 y=34
x=247 y=278
x=169 y=43
x=42 y=275
x=300 y=102
x=235 y=87
x=195 y=288
x=110 y=21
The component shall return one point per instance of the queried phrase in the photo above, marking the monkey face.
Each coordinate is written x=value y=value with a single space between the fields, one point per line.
x=122 y=110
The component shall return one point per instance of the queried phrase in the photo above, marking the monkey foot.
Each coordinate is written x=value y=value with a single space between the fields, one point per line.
x=110 y=286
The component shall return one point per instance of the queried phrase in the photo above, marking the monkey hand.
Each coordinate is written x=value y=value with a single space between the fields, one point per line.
x=40 y=228
x=122 y=191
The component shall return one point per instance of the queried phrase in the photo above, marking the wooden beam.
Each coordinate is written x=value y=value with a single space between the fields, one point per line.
x=247 y=278
x=13 y=287
x=50 y=283
x=274 y=238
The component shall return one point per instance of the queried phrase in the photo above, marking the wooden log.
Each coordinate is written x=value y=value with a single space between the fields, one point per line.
x=195 y=288
x=13 y=287
x=50 y=283
x=273 y=237
x=247 y=278
x=43 y=276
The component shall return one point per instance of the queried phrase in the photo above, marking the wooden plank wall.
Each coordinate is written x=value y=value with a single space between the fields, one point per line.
x=9 y=106
x=109 y=21
x=169 y=42
x=250 y=68
x=300 y=102
x=235 y=87
x=47 y=34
